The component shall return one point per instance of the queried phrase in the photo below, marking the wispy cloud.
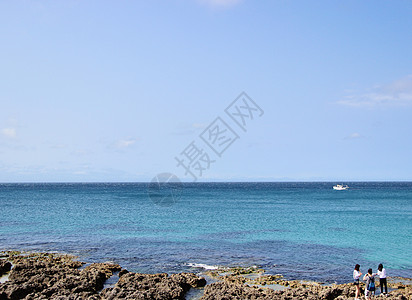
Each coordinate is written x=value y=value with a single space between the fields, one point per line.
x=220 y=3
x=122 y=144
x=187 y=129
x=9 y=132
x=354 y=136
x=397 y=93
x=81 y=152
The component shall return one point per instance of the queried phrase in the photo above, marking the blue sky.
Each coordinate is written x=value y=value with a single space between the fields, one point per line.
x=115 y=90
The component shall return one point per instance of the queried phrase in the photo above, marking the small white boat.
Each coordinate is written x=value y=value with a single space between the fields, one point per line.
x=340 y=187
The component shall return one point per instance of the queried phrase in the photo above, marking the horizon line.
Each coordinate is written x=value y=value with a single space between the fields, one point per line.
x=292 y=181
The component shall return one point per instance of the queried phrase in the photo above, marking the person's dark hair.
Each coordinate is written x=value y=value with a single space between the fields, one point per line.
x=357 y=267
x=380 y=267
x=370 y=271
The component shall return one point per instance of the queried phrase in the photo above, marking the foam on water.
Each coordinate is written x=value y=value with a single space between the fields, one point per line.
x=203 y=266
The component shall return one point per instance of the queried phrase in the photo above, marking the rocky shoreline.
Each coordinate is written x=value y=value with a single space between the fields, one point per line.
x=252 y=283
x=60 y=276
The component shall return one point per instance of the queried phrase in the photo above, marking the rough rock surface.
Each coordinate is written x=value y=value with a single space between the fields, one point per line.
x=235 y=285
x=5 y=266
x=153 y=286
x=45 y=276
x=229 y=291
x=52 y=276
x=56 y=276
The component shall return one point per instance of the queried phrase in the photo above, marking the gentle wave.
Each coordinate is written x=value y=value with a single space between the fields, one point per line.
x=203 y=266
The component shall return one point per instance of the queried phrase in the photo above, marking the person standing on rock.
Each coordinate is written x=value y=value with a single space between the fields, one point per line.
x=370 y=284
x=382 y=279
x=356 y=275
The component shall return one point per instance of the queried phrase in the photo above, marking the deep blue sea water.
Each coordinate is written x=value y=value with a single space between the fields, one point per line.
x=301 y=230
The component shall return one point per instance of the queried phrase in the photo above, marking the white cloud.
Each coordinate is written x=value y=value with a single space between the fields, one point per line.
x=125 y=143
x=397 y=93
x=221 y=3
x=9 y=132
x=353 y=136
x=81 y=152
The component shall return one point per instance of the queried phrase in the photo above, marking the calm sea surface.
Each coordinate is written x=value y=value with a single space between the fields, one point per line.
x=301 y=230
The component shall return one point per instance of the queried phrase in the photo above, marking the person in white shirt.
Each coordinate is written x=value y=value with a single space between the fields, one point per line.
x=382 y=279
x=356 y=275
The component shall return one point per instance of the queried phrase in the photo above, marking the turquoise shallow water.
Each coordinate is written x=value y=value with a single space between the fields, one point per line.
x=302 y=230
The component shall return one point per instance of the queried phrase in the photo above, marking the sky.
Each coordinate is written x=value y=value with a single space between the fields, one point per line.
x=114 y=91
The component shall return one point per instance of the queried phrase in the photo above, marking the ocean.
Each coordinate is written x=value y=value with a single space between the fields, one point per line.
x=302 y=230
